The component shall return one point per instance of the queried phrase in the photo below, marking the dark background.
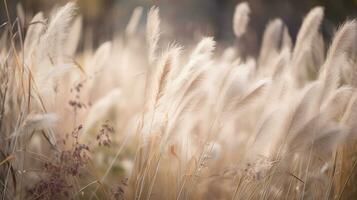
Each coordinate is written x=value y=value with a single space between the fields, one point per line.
x=188 y=18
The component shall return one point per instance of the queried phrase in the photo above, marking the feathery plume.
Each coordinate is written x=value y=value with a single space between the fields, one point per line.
x=344 y=40
x=308 y=30
x=153 y=32
x=73 y=36
x=20 y=13
x=205 y=47
x=336 y=105
x=134 y=21
x=41 y=121
x=252 y=93
x=100 y=57
x=102 y=110
x=53 y=40
x=241 y=19
x=337 y=55
x=164 y=70
x=272 y=41
x=33 y=34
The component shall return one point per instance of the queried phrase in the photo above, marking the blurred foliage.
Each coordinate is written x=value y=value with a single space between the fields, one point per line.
x=210 y=17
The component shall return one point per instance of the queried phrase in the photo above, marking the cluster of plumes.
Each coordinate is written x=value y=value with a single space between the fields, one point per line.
x=190 y=124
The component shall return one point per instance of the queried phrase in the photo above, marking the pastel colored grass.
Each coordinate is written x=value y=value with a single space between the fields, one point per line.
x=167 y=122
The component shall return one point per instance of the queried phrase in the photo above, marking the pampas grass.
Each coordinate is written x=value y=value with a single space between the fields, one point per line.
x=128 y=122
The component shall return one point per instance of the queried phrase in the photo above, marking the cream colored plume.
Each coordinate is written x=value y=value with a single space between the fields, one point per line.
x=309 y=28
x=241 y=19
x=134 y=21
x=153 y=33
x=50 y=50
x=33 y=34
x=102 y=110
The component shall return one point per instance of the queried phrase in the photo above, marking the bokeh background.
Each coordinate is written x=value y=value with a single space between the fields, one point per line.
x=187 y=19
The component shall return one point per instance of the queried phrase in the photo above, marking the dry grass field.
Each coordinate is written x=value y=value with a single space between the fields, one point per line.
x=140 y=118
